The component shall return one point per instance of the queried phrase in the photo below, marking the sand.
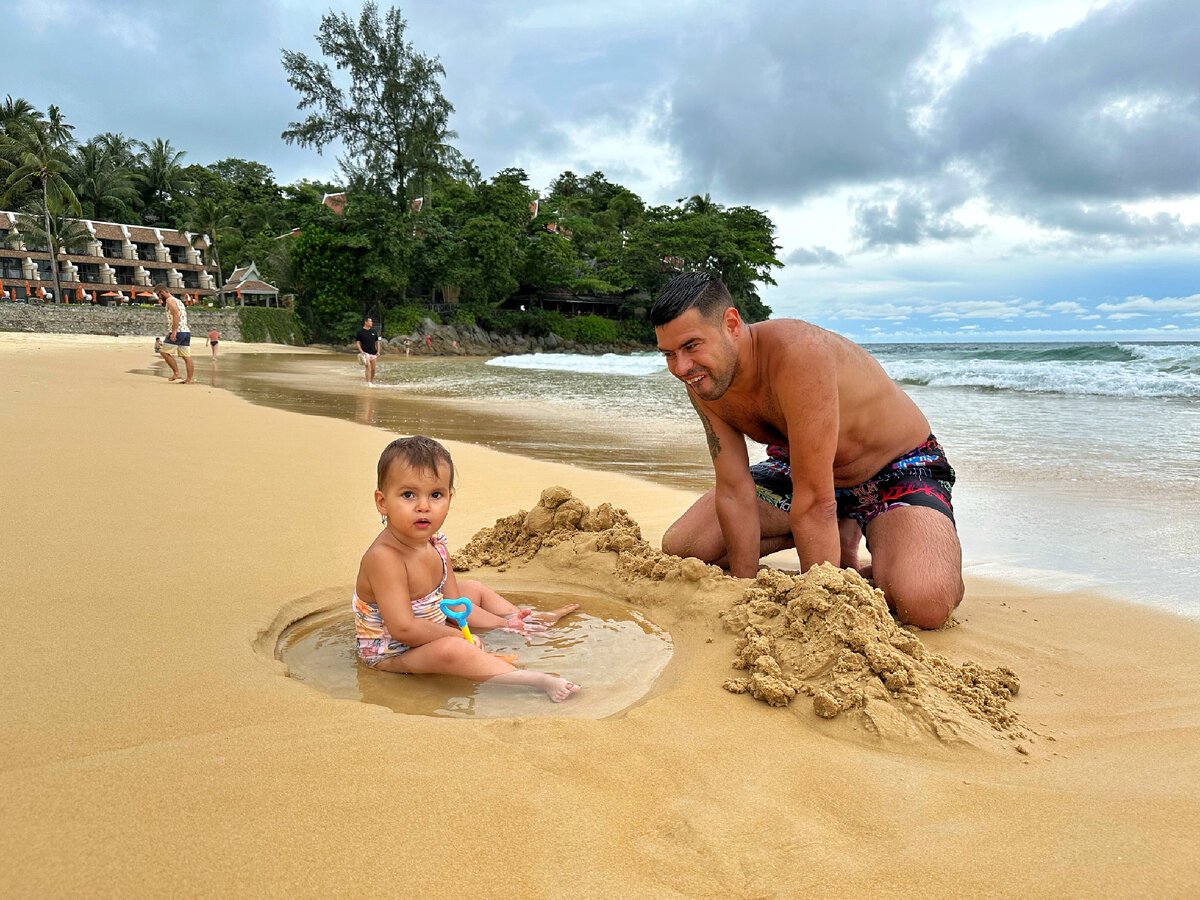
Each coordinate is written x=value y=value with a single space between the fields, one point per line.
x=158 y=537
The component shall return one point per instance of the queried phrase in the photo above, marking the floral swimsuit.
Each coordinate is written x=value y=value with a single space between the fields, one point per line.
x=374 y=642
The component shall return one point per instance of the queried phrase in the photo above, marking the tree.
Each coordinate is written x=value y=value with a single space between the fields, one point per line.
x=39 y=152
x=392 y=121
x=103 y=185
x=208 y=218
x=161 y=177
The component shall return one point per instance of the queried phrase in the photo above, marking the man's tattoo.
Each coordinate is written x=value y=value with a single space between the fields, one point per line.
x=714 y=443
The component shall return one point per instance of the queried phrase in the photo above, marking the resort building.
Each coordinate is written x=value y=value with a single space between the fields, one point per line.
x=111 y=263
x=249 y=288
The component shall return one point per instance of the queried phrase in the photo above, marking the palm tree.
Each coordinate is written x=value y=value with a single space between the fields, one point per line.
x=207 y=218
x=161 y=175
x=40 y=158
x=66 y=233
x=16 y=118
x=102 y=185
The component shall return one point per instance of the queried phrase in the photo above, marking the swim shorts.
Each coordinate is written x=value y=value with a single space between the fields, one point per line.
x=181 y=346
x=368 y=357
x=921 y=477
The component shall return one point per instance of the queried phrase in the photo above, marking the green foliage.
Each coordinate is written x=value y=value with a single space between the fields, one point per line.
x=260 y=324
x=593 y=329
x=404 y=320
x=463 y=316
x=636 y=329
x=392 y=119
x=490 y=247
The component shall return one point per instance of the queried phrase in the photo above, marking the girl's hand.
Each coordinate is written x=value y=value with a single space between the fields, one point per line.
x=517 y=623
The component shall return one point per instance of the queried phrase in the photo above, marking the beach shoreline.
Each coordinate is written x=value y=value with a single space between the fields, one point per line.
x=160 y=535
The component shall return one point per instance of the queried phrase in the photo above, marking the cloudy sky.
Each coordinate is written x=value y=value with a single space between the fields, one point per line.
x=982 y=169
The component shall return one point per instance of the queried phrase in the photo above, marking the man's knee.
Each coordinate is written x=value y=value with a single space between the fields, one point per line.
x=679 y=540
x=926 y=603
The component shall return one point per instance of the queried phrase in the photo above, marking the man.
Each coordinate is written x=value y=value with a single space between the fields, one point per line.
x=367 y=343
x=179 y=339
x=849 y=452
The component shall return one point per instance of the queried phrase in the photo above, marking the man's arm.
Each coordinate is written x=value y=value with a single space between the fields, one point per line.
x=173 y=309
x=734 y=494
x=808 y=398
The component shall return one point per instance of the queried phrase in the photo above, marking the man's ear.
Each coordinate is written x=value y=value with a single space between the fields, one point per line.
x=731 y=321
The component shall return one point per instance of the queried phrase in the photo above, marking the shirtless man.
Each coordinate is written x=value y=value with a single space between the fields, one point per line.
x=848 y=452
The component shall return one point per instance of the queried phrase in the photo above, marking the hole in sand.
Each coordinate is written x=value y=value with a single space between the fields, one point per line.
x=614 y=653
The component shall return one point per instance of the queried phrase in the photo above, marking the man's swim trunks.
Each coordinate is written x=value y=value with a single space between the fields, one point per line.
x=921 y=477
x=181 y=346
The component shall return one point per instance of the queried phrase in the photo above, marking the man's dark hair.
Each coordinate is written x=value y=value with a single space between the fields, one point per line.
x=690 y=290
x=417 y=452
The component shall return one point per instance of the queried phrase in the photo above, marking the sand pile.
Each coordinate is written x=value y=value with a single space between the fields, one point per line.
x=828 y=634
x=561 y=520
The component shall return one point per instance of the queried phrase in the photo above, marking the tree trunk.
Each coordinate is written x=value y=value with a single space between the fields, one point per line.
x=58 y=294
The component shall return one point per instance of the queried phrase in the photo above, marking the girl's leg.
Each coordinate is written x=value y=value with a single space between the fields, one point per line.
x=482 y=595
x=455 y=656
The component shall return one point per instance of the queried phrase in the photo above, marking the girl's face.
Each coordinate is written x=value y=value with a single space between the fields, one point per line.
x=415 y=501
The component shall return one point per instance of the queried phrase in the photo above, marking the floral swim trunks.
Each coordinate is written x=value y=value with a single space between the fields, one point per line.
x=921 y=477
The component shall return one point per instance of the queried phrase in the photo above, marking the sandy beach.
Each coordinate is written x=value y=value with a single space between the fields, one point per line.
x=159 y=538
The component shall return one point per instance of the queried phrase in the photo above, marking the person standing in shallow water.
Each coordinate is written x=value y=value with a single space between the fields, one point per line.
x=848 y=453
x=367 y=343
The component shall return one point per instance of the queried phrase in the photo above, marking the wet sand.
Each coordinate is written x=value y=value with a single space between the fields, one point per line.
x=158 y=538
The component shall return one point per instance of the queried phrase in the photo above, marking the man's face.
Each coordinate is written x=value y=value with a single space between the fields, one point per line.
x=700 y=353
x=367 y=324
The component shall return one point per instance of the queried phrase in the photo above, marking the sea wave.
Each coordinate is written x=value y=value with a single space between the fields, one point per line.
x=604 y=364
x=1117 y=370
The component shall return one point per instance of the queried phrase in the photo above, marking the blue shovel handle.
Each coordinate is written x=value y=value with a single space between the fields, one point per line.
x=459 y=616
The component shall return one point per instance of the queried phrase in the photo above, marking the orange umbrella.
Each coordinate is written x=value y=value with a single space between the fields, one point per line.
x=110 y=294
x=79 y=292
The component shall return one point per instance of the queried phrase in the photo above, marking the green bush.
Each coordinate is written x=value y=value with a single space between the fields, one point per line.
x=639 y=330
x=404 y=320
x=593 y=329
x=262 y=324
x=463 y=317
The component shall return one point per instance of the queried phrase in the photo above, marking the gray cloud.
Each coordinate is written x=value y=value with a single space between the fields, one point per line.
x=814 y=256
x=908 y=218
x=785 y=100
x=1106 y=109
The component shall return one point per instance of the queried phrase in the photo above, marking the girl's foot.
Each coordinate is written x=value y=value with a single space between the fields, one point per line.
x=558 y=689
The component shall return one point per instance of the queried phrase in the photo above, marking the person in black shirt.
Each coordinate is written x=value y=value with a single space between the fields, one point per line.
x=367 y=343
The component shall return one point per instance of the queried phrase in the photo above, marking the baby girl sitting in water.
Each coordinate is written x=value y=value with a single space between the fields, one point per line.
x=405 y=573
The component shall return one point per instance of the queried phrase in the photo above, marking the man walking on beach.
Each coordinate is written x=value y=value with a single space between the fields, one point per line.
x=848 y=453
x=367 y=343
x=179 y=338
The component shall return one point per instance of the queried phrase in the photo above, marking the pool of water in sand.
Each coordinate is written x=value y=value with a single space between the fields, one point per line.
x=614 y=654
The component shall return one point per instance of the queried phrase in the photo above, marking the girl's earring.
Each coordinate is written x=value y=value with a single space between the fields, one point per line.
x=383 y=520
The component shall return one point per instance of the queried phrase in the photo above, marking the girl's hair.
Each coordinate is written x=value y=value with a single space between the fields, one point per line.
x=418 y=453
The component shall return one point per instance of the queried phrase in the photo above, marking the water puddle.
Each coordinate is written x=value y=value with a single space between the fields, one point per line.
x=614 y=653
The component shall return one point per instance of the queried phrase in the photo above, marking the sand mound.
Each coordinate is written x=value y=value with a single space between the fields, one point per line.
x=828 y=634
x=560 y=520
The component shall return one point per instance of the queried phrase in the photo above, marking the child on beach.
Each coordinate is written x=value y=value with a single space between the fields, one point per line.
x=405 y=573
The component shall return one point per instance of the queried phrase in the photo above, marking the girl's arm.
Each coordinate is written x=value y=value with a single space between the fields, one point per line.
x=388 y=577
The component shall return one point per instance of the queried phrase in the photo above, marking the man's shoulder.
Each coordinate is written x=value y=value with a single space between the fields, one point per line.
x=790 y=339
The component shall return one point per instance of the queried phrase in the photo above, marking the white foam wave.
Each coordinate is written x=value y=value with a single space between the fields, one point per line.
x=605 y=364
x=1096 y=378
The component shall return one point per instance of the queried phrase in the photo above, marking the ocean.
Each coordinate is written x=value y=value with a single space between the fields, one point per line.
x=1078 y=463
